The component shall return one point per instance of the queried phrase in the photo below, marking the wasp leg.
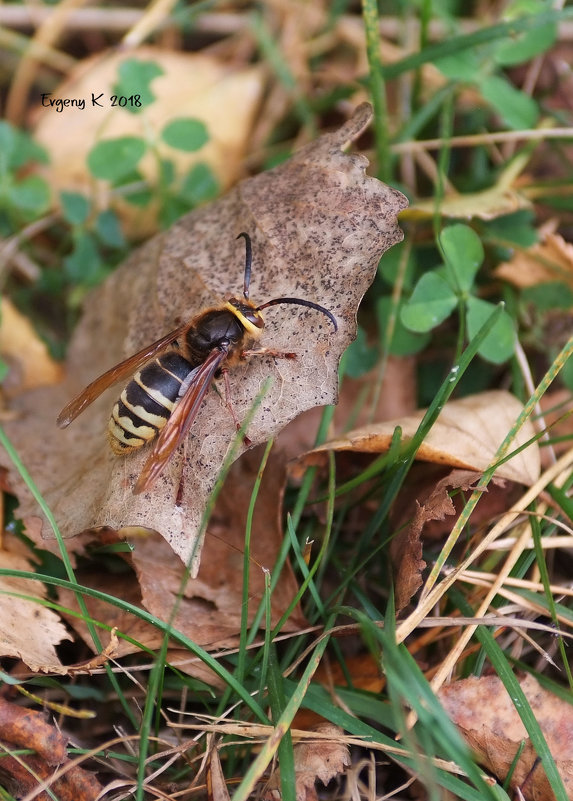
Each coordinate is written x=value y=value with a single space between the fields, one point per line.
x=229 y=405
x=277 y=354
x=180 y=486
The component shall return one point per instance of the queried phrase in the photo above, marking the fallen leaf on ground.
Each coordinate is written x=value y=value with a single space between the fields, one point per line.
x=214 y=95
x=319 y=226
x=466 y=437
x=467 y=434
x=485 y=714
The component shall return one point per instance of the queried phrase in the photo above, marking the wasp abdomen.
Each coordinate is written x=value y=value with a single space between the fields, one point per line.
x=146 y=403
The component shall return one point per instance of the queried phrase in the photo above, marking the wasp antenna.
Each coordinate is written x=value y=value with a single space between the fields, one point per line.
x=248 y=263
x=300 y=302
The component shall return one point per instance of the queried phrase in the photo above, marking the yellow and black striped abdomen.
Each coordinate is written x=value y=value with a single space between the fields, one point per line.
x=146 y=403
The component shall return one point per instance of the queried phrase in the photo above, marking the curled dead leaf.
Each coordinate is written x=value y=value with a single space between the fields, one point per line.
x=467 y=434
x=319 y=226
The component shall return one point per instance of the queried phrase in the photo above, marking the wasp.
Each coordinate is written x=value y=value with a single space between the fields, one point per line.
x=171 y=376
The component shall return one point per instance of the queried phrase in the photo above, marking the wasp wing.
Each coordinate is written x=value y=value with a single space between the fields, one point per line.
x=180 y=420
x=121 y=371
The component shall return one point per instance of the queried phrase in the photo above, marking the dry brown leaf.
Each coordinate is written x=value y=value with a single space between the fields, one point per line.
x=488 y=720
x=499 y=496
x=548 y=260
x=30 y=363
x=28 y=630
x=321 y=759
x=212 y=92
x=467 y=434
x=319 y=226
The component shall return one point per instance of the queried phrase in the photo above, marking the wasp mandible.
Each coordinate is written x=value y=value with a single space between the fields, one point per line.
x=164 y=395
